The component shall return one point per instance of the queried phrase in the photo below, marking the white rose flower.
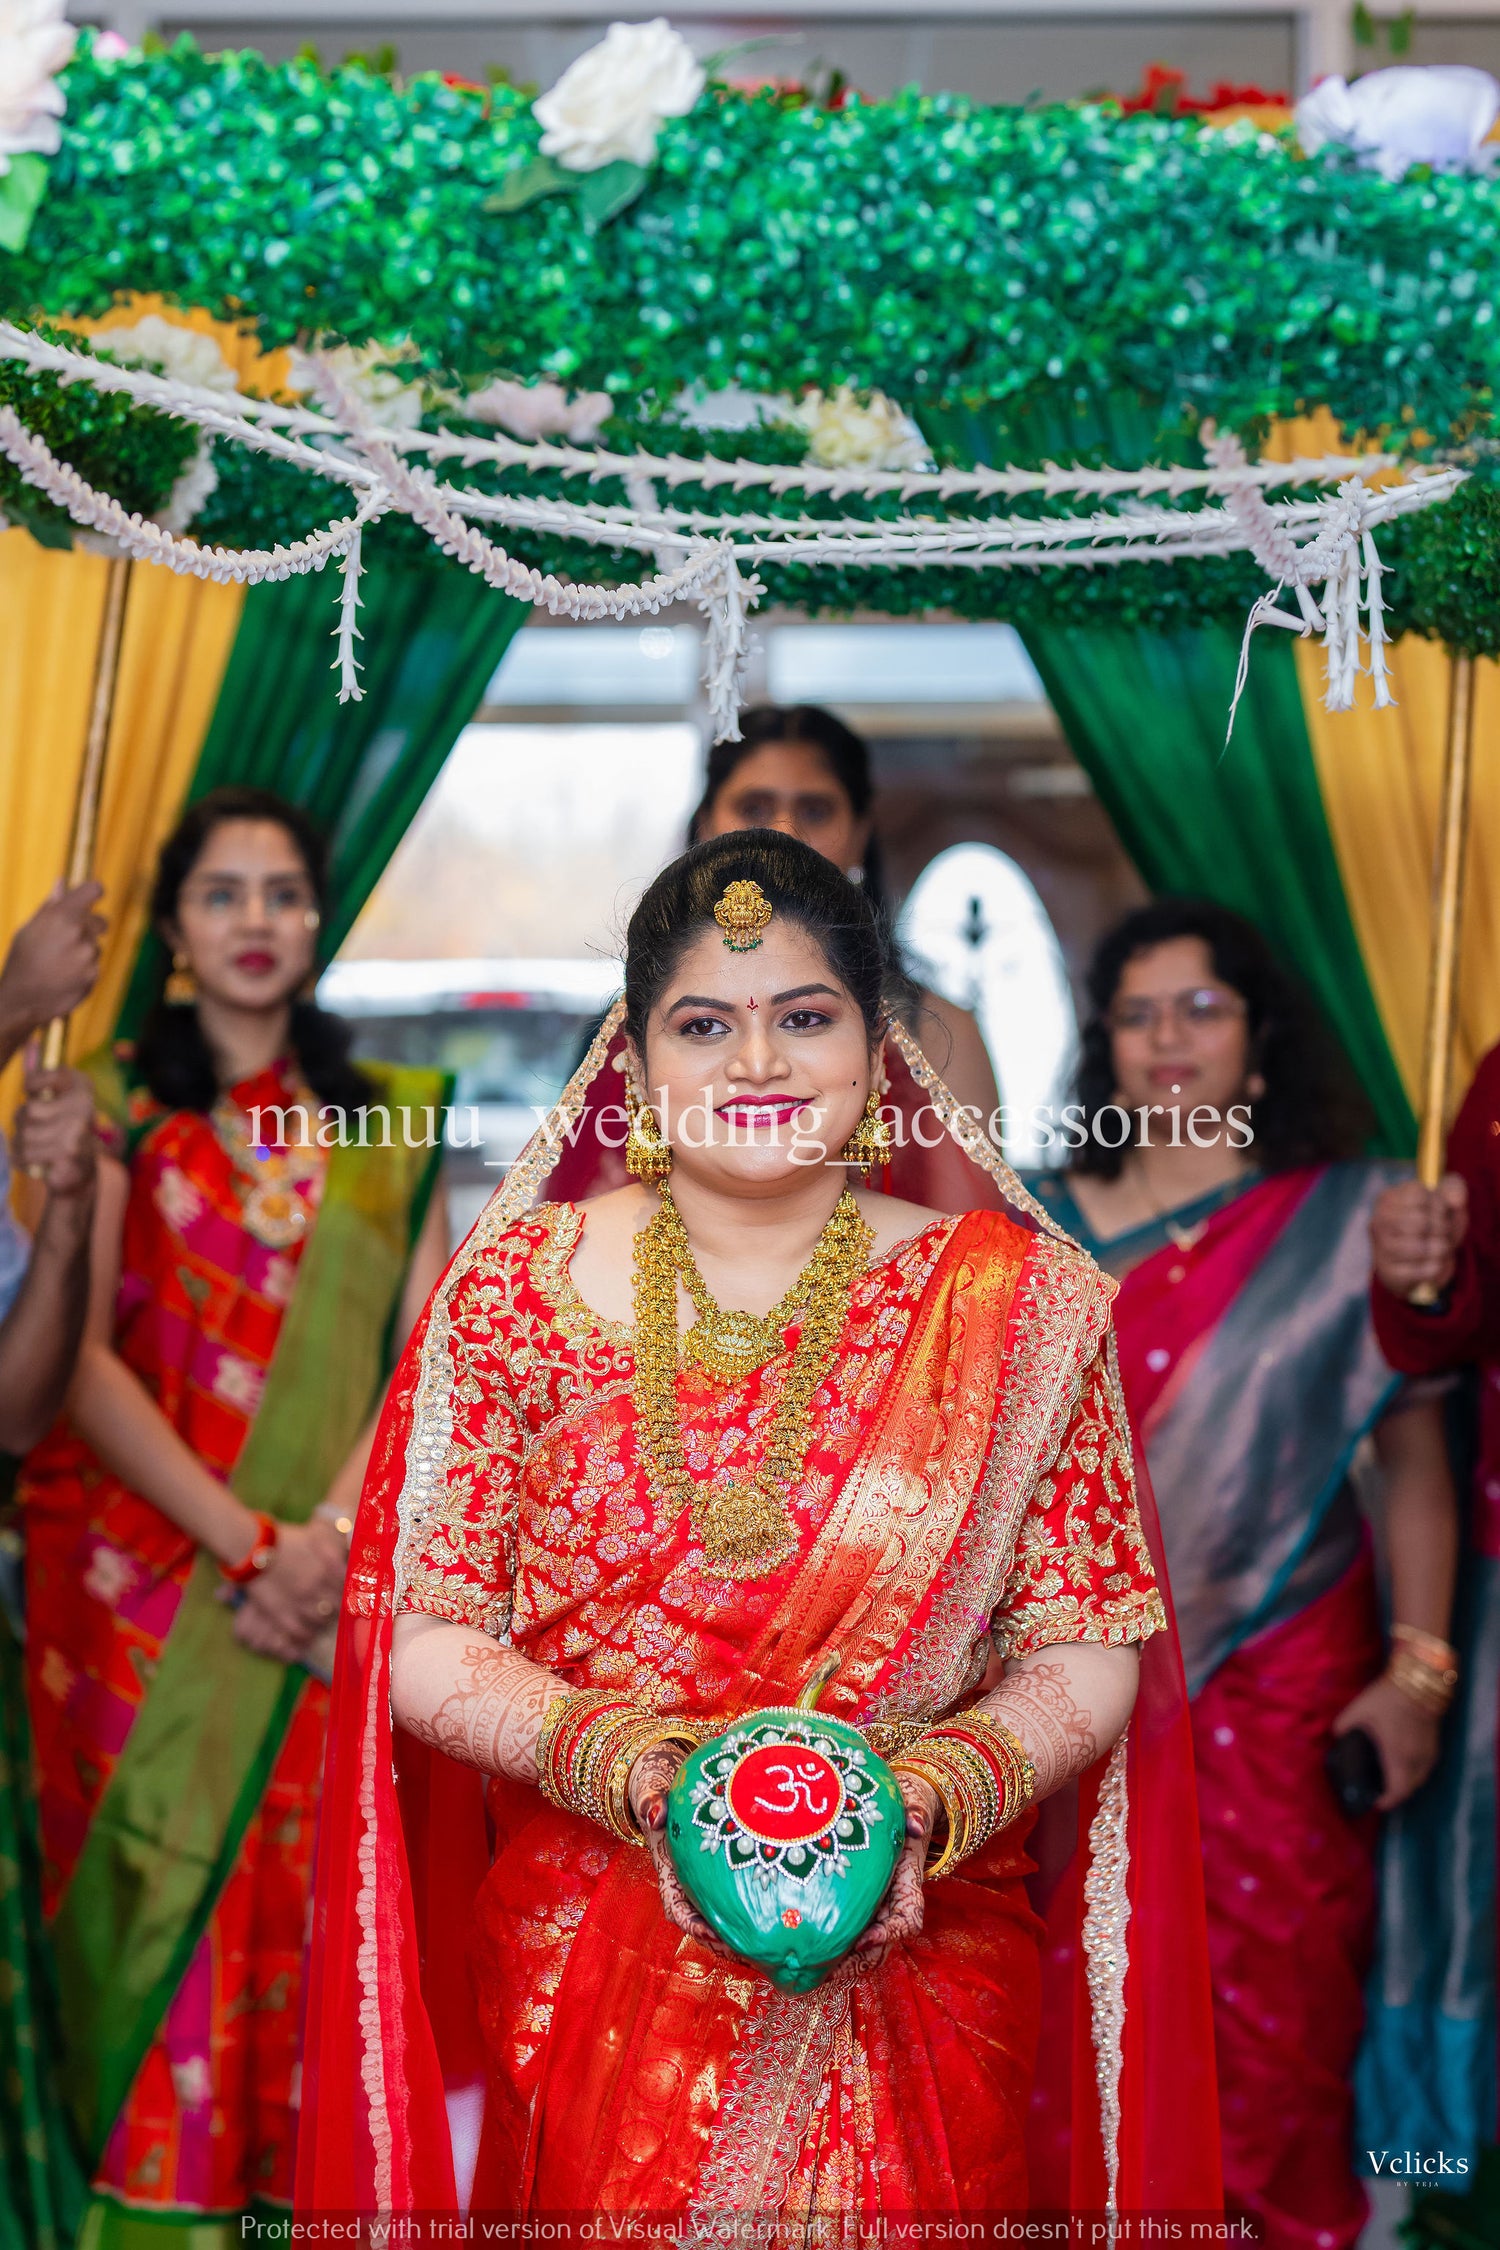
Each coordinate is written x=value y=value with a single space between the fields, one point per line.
x=35 y=43
x=845 y=433
x=1439 y=114
x=610 y=104
x=372 y=372
x=186 y=354
x=541 y=410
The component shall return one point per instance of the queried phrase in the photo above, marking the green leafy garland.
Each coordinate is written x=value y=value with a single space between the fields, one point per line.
x=1029 y=281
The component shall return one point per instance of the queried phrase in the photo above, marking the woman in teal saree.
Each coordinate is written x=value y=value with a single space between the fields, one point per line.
x=1236 y=1222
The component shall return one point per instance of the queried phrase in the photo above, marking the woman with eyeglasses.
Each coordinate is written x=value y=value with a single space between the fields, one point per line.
x=257 y=1255
x=1214 y=1170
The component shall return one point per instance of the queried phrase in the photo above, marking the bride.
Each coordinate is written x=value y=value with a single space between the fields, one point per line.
x=660 y=1460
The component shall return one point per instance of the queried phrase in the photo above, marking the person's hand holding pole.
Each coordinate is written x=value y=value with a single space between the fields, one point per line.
x=1415 y=1233
x=52 y=964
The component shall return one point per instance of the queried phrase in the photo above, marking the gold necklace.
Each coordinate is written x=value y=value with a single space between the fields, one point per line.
x=744 y=1528
x=267 y=1180
x=1183 y=1238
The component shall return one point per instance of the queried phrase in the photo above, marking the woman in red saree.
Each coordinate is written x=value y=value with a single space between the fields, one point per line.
x=245 y=1274
x=1252 y=1374
x=559 y=1519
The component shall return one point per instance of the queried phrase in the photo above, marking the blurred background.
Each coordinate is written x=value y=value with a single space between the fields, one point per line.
x=1057 y=50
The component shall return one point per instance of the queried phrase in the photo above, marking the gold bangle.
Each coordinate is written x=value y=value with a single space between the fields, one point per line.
x=949 y=1806
x=1431 y=1691
x=619 y=1818
x=1439 y=1656
x=1008 y=1751
x=964 y=1781
x=589 y=1740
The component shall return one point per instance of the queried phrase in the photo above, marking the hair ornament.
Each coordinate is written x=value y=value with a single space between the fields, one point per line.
x=743 y=914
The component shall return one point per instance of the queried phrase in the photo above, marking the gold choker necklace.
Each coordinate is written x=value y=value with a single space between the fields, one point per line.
x=743 y=1528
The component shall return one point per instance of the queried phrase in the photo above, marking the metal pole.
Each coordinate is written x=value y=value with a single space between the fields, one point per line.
x=91 y=776
x=1447 y=931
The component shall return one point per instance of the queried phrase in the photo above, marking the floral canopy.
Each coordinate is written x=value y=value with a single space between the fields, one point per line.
x=649 y=267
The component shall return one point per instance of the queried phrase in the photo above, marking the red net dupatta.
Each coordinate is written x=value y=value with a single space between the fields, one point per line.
x=1125 y=2110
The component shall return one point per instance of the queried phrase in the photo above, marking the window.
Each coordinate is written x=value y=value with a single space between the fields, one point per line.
x=976 y=932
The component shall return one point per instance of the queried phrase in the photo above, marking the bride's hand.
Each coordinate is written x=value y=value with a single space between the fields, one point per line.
x=899 y=1914
x=651 y=1777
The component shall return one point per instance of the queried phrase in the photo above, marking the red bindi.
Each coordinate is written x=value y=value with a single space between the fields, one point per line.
x=752 y=1005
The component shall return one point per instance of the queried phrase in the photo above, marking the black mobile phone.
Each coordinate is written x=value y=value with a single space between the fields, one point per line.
x=1355 y=1772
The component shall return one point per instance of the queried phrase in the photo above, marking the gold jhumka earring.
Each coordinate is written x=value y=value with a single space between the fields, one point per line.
x=181 y=987
x=647 y=1156
x=870 y=1142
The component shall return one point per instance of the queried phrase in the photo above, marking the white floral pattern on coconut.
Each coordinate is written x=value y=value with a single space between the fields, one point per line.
x=541 y=410
x=373 y=373
x=1439 y=114
x=845 y=432
x=610 y=105
x=35 y=43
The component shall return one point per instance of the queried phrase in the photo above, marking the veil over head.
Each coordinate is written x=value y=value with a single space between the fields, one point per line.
x=1124 y=2113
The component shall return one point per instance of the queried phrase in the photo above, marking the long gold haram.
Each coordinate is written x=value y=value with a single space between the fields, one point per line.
x=745 y=1528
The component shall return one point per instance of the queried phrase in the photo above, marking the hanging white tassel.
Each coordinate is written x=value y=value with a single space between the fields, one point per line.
x=346 y=662
x=1375 y=626
x=1263 y=612
x=724 y=602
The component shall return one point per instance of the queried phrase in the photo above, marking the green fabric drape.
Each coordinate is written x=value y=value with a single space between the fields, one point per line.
x=433 y=635
x=1145 y=715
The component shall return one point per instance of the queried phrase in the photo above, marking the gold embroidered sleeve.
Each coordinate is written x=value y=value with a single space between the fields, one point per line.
x=464 y=1568
x=1081 y=1569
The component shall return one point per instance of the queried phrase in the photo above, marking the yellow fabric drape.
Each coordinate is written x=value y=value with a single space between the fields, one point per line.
x=177 y=639
x=1381 y=775
x=178 y=634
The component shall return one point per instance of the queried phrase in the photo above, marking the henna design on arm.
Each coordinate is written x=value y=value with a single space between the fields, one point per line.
x=1037 y=1703
x=492 y=1716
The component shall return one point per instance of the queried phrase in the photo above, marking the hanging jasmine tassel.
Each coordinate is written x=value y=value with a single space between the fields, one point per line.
x=346 y=662
x=724 y=602
x=1375 y=626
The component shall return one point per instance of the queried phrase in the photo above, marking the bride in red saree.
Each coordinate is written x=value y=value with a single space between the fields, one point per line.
x=558 y=1545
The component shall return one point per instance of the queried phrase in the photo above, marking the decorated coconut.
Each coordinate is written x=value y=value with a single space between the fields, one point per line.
x=785 y=1831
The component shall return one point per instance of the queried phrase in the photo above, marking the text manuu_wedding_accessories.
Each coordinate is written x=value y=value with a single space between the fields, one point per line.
x=744 y=1527
x=744 y=915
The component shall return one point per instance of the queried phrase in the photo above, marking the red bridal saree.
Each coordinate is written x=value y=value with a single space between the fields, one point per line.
x=1251 y=1372
x=969 y=1489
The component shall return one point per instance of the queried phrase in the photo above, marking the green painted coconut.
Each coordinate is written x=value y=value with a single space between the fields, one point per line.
x=785 y=1832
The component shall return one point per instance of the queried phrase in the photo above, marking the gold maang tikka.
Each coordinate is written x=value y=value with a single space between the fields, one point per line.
x=743 y=914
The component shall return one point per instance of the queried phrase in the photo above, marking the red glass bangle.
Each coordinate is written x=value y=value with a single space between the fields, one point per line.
x=241 y=1573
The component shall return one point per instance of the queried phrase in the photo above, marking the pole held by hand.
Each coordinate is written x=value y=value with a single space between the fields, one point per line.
x=1447 y=934
x=91 y=774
